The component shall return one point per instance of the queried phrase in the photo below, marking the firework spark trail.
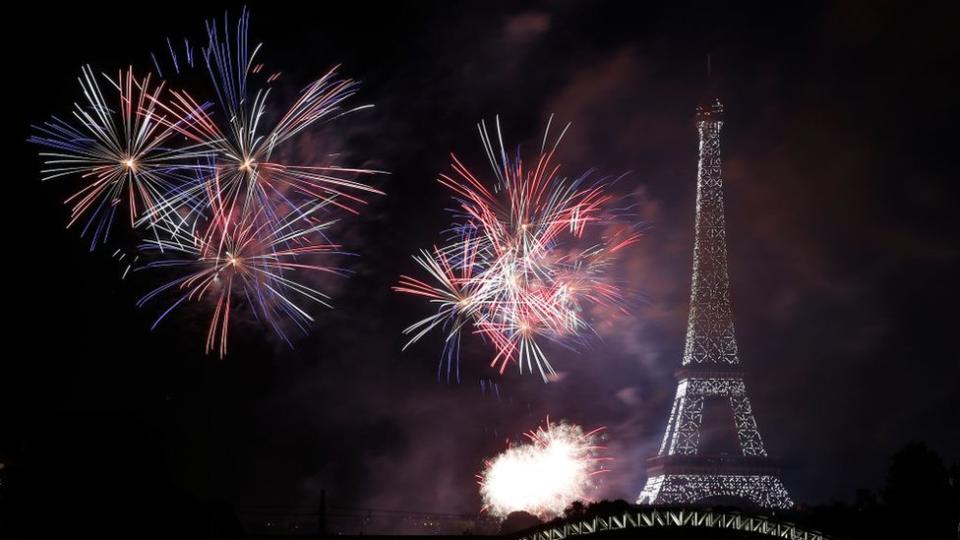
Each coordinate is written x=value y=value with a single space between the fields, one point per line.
x=556 y=466
x=123 y=152
x=505 y=273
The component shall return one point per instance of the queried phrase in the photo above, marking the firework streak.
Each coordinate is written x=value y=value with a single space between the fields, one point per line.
x=203 y=183
x=519 y=265
x=556 y=466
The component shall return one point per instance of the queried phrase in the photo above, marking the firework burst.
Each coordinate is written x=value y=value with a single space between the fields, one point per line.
x=557 y=465
x=122 y=152
x=245 y=147
x=206 y=186
x=258 y=224
x=242 y=257
x=519 y=266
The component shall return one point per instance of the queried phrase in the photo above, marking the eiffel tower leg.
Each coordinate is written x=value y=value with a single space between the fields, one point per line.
x=686 y=439
x=747 y=433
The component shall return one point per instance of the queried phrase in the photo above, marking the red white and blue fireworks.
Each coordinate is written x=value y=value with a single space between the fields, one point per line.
x=527 y=258
x=203 y=183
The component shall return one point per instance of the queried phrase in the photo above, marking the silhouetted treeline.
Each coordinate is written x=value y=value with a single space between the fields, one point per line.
x=920 y=499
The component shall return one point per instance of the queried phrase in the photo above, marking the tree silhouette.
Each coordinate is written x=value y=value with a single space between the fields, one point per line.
x=518 y=521
x=919 y=494
x=576 y=510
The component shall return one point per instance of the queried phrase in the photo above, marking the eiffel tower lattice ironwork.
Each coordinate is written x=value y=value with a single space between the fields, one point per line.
x=686 y=470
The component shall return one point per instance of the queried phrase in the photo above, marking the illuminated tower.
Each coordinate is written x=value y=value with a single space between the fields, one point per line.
x=712 y=448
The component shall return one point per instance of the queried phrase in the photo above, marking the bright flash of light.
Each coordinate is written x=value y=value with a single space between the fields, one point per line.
x=556 y=466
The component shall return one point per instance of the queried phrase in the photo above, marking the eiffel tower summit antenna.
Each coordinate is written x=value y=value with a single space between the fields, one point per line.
x=712 y=448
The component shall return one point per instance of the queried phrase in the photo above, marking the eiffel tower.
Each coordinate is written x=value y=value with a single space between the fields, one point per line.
x=712 y=449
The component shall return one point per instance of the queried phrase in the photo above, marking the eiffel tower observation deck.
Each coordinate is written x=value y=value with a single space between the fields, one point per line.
x=712 y=449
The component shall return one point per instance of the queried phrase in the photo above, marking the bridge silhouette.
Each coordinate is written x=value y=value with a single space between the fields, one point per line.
x=649 y=518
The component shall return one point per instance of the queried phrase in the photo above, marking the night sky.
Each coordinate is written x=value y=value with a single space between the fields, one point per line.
x=841 y=197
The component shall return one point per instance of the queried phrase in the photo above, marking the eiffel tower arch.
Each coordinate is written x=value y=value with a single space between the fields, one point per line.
x=696 y=461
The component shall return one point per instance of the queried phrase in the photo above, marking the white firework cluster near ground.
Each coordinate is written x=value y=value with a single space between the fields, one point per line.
x=557 y=466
